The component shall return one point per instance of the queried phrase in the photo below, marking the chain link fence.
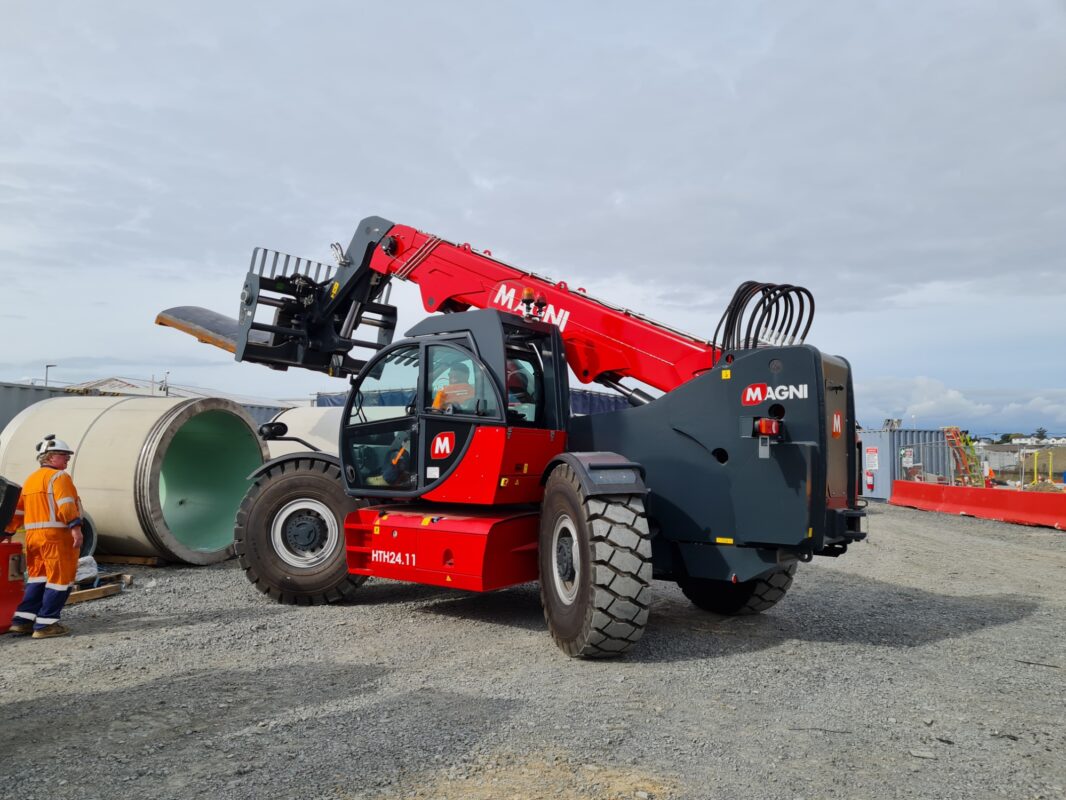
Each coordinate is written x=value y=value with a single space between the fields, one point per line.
x=978 y=465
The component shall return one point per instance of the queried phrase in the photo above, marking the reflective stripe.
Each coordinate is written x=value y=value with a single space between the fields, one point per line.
x=41 y=579
x=57 y=587
x=26 y=615
x=67 y=501
x=20 y=513
x=46 y=620
x=33 y=526
x=52 y=498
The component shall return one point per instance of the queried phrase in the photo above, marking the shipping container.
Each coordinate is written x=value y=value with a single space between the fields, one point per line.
x=901 y=454
x=14 y=397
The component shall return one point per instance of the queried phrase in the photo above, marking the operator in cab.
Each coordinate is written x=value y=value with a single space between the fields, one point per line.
x=458 y=393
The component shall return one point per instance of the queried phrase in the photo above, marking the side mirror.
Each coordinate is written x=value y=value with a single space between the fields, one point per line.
x=273 y=430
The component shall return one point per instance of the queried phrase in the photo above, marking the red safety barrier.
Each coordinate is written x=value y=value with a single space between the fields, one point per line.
x=1005 y=505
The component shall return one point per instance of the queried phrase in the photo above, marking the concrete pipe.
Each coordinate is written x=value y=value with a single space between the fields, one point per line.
x=160 y=476
x=318 y=426
x=88 y=535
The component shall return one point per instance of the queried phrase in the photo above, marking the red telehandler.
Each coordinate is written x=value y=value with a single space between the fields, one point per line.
x=460 y=464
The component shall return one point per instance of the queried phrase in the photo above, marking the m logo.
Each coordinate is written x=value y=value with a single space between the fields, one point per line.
x=442 y=446
x=838 y=425
x=754 y=394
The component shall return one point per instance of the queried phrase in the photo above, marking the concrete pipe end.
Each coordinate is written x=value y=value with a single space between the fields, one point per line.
x=195 y=477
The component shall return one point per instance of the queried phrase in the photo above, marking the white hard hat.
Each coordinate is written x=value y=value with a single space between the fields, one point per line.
x=50 y=444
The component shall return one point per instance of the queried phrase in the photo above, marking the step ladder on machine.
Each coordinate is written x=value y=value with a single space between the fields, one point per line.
x=967 y=468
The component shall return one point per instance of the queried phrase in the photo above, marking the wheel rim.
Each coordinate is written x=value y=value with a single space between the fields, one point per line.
x=305 y=533
x=566 y=560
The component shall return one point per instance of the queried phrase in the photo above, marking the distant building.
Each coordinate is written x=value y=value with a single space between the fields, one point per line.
x=16 y=396
x=1032 y=441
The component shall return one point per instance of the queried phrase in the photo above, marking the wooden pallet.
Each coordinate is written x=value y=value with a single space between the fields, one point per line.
x=140 y=561
x=103 y=584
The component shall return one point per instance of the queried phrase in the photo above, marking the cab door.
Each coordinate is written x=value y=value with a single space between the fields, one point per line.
x=459 y=396
x=379 y=444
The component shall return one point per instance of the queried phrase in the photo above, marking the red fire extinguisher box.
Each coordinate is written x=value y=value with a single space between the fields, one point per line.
x=12 y=569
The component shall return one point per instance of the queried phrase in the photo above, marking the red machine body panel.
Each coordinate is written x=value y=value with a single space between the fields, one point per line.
x=460 y=548
x=600 y=338
x=502 y=466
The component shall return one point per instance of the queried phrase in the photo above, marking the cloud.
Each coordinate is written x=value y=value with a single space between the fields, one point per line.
x=1049 y=405
x=914 y=399
x=904 y=161
x=927 y=403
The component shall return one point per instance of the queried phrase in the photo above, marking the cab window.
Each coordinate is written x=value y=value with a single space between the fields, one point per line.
x=457 y=384
x=388 y=390
x=525 y=387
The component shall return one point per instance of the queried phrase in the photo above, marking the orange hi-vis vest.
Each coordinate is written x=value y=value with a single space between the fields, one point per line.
x=453 y=394
x=48 y=501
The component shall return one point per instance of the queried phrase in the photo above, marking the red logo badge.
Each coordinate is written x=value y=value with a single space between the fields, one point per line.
x=754 y=394
x=442 y=446
x=838 y=424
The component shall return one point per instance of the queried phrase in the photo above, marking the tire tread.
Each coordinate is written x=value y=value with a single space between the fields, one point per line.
x=751 y=597
x=341 y=591
x=620 y=542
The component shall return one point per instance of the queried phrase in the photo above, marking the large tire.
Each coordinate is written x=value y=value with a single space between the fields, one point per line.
x=595 y=568
x=289 y=534
x=738 y=599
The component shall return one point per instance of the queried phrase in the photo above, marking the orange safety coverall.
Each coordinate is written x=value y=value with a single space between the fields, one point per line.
x=453 y=394
x=48 y=508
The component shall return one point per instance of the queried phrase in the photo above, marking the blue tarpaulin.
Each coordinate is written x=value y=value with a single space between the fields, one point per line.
x=582 y=401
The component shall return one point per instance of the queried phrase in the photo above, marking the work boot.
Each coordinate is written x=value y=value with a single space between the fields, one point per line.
x=20 y=628
x=51 y=631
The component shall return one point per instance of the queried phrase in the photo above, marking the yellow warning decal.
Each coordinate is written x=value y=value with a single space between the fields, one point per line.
x=722 y=540
x=525 y=468
x=336 y=287
x=810 y=533
x=426 y=521
x=377 y=529
x=448 y=578
x=503 y=481
x=727 y=374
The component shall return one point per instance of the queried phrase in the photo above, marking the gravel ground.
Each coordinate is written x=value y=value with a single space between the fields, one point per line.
x=929 y=663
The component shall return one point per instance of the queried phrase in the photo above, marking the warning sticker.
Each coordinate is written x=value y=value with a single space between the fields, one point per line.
x=871 y=459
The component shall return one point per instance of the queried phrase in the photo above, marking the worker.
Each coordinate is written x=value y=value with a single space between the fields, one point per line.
x=457 y=392
x=50 y=510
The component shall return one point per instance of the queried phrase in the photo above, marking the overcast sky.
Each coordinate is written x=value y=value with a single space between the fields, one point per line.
x=906 y=161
